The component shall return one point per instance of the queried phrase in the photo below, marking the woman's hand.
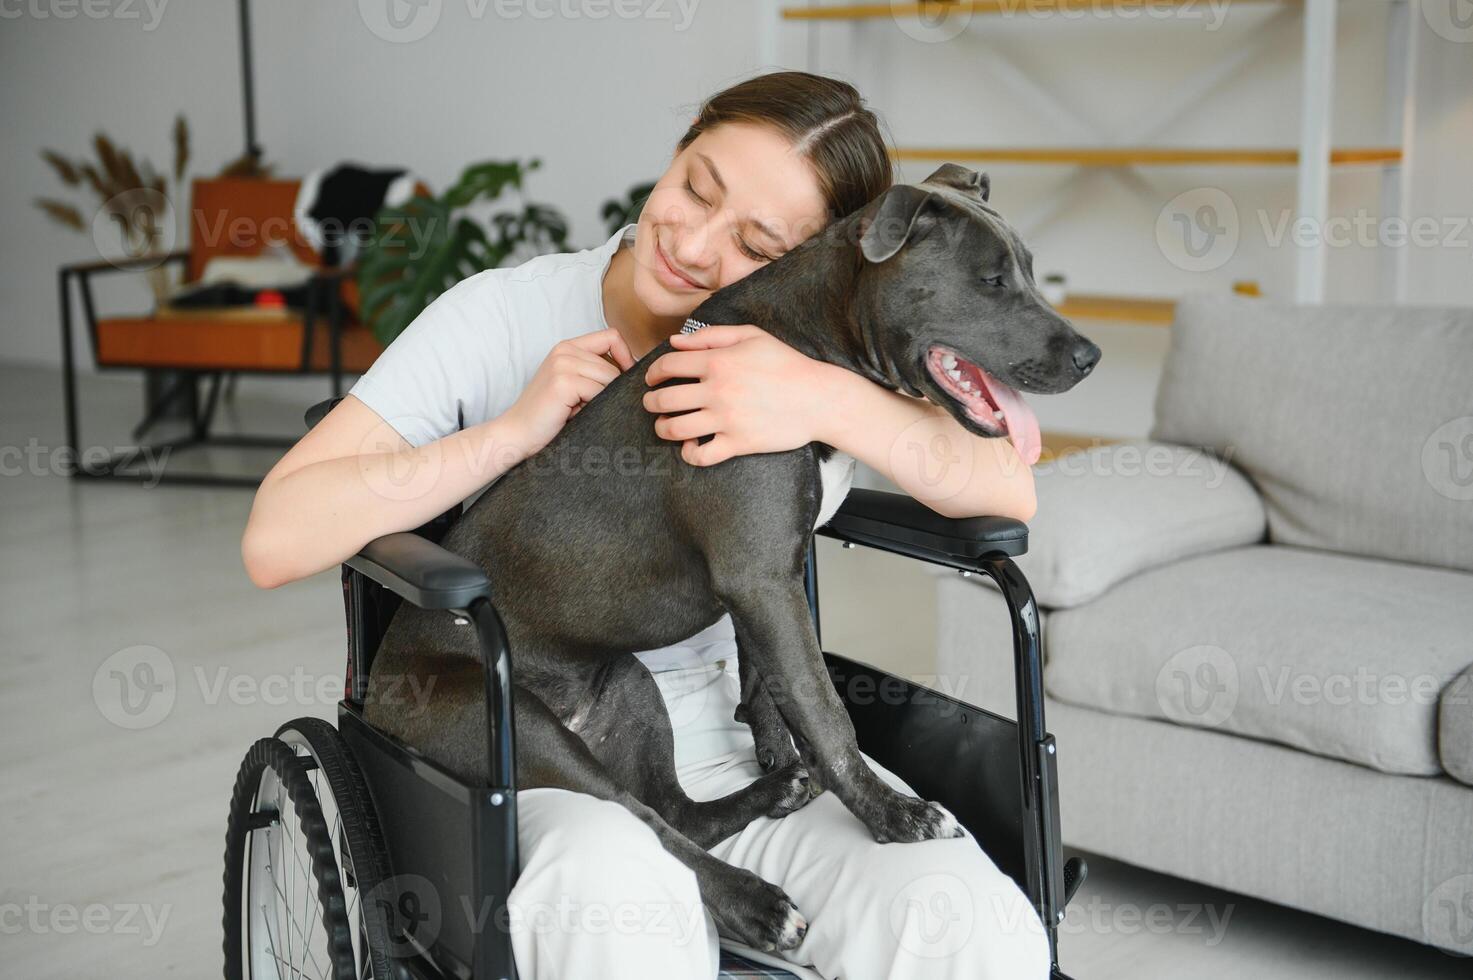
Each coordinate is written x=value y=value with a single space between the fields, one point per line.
x=573 y=372
x=757 y=395
x=753 y=392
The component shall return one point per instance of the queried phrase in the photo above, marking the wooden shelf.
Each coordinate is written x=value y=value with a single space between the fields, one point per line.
x=1056 y=444
x=263 y=313
x=1144 y=156
x=872 y=11
x=1125 y=309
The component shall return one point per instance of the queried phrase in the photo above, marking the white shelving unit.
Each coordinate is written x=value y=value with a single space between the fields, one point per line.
x=1124 y=153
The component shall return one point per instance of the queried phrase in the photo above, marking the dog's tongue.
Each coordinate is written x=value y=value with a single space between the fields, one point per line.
x=1022 y=423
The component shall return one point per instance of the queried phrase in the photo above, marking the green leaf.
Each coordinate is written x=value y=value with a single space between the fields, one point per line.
x=420 y=249
x=486 y=180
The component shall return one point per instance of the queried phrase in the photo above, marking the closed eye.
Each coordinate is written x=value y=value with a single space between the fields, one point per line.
x=692 y=191
x=742 y=246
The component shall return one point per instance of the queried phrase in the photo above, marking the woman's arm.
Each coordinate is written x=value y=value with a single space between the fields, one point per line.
x=757 y=394
x=353 y=477
x=926 y=451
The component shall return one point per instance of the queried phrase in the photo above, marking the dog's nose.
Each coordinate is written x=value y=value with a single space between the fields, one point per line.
x=1086 y=356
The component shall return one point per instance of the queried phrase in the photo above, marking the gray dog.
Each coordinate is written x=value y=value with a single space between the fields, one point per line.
x=606 y=542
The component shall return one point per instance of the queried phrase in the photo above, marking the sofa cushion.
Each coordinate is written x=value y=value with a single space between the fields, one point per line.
x=1455 y=728
x=1341 y=656
x=1108 y=512
x=1355 y=422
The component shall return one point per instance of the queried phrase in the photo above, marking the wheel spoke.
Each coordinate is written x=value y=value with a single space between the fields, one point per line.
x=286 y=884
x=289 y=887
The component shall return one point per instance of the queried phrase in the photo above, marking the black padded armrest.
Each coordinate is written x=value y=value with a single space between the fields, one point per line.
x=319 y=411
x=421 y=571
x=897 y=523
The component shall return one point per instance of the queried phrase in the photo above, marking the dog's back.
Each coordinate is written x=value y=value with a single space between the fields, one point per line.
x=605 y=542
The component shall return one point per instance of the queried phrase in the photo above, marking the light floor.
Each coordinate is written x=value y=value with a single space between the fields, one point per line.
x=111 y=837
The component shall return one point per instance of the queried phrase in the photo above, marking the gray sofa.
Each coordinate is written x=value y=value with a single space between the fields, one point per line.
x=1258 y=622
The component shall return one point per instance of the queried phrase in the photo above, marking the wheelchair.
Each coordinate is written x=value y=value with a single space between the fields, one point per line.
x=350 y=855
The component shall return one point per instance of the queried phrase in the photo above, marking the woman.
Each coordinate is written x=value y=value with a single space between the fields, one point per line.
x=490 y=373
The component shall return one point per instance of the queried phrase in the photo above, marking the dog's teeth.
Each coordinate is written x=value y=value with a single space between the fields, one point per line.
x=948 y=362
x=954 y=373
x=998 y=415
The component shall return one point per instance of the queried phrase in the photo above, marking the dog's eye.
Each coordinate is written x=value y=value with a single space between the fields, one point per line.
x=994 y=281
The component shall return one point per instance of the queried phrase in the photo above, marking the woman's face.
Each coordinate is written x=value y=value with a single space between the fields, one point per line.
x=735 y=199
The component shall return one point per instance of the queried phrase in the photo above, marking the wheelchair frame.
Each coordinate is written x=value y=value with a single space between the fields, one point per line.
x=431 y=820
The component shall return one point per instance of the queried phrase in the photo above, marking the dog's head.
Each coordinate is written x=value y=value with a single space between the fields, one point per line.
x=953 y=311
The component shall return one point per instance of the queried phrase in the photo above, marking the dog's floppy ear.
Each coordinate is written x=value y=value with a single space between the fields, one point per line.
x=955 y=175
x=890 y=227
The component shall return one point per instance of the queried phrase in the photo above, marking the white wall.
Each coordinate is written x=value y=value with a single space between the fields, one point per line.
x=602 y=100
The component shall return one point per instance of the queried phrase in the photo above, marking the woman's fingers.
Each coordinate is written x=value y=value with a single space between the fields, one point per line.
x=692 y=425
x=602 y=342
x=721 y=335
x=580 y=390
x=675 y=398
x=678 y=364
x=594 y=367
x=708 y=453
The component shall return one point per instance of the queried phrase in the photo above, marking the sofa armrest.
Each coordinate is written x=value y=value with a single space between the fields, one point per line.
x=1111 y=511
x=1455 y=727
x=421 y=571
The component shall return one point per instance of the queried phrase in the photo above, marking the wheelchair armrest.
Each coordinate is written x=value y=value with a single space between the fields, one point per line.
x=319 y=411
x=903 y=525
x=421 y=571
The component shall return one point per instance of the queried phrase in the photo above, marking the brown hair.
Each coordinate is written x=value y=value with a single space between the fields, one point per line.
x=825 y=118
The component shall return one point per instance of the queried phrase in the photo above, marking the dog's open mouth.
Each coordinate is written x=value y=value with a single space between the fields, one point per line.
x=995 y=407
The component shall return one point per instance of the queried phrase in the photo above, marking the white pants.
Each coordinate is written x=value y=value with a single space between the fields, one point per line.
x=599 y=898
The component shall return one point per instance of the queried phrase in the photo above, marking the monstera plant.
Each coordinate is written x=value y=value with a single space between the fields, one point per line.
x=428 y=244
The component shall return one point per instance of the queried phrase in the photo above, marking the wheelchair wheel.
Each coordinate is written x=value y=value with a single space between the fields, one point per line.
x=303 y=857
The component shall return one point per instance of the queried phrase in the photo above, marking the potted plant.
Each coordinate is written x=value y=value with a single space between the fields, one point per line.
x=423 y=247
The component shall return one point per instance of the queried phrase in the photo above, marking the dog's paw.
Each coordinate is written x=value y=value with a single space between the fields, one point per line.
x=775 y=752
x=905 y=819
x=761 y=915
x=794 y=789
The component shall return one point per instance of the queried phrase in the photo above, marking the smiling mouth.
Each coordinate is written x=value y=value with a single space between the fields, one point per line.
x=996 y=408
x=660 y=254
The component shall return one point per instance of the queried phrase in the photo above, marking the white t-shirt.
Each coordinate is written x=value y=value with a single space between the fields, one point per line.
x=473 y=350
